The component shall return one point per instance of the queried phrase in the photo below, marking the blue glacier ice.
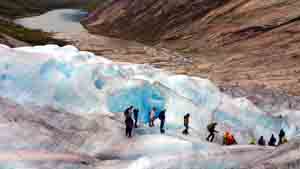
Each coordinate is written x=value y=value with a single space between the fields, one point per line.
x=83 y=83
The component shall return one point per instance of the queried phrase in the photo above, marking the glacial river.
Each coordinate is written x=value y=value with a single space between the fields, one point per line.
x=62 y=20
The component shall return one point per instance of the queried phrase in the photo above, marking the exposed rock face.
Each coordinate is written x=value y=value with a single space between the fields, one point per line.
x=149 y=20
x=248 y=42
x=267 y=99
x=127 y=51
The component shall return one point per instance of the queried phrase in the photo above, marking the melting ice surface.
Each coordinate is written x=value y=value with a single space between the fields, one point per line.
x=80 y=82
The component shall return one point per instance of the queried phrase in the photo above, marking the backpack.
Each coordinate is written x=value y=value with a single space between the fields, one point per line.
x=211 y=127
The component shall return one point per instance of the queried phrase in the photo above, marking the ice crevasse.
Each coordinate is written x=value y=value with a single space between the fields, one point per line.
x=80 y=82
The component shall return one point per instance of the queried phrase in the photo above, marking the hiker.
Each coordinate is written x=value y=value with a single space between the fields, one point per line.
x=281 y=136
x=186 y=121
x=252 y=141
x=152 y=117
x=232 y=140
x=228 y=139
x=129 y=125
x=128 y=112
x=225 y=138
x=272 y=141
x=261 y=141
x=212 y=130
x=162 y=118
x=136 y=117
x=285 y=140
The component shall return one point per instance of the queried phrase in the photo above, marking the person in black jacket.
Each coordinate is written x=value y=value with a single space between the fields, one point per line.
x=272 y=141
x=162 y=118
x=281 y=136
x=136 y=117
x=128 y=111
x=186 y=122
x=129 y=125
x=211 y=128
x=261 y=141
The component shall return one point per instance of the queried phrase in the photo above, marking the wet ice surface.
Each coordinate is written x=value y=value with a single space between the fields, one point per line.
x=100 y=141
x=94 y=90
x=62 y=20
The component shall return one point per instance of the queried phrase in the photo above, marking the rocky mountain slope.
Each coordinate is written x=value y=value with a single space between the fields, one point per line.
x=246 y=42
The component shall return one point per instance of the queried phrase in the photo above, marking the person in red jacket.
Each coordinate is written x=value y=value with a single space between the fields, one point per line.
x=229 y=139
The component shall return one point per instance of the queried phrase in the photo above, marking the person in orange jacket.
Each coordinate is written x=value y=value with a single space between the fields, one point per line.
x=228 y=139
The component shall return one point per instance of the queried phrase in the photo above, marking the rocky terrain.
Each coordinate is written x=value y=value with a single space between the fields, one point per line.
x=246 y=42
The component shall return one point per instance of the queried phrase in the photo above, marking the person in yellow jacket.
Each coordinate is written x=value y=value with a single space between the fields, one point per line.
x=285 y=140
x=252 y=141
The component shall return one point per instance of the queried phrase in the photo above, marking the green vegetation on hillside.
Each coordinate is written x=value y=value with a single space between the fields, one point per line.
x=18 y=8
x=34 y=37
x=22 y=8
x=93 y=4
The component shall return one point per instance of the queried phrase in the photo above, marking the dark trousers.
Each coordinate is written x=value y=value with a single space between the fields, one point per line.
x=128 y=131
x=135 y=122
x=162 y=124
x=210 y=137
x=280 y=140
x=186 y=130
x=151 y=123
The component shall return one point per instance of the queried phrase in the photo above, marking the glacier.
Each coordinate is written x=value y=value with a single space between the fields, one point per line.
x=95 y=88
x=81 y=82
